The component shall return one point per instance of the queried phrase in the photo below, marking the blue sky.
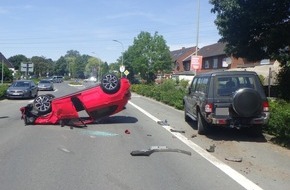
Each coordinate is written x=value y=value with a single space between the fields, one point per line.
x=50 y=28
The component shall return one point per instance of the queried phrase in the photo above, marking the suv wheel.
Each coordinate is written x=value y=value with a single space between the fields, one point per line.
x=110 y=83
x=202 y=126
x=42 y=103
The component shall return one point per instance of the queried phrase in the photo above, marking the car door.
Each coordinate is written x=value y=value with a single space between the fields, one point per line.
x=200 y=94
x=191 y=98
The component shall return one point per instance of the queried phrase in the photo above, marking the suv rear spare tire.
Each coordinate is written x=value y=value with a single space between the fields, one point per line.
x=247 y=102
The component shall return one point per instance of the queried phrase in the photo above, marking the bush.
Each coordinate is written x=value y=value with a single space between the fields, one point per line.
x=168 y=92
x=3 y=89
x=279 y=123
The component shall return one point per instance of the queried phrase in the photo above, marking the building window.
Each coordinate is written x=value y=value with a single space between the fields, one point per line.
x=226 y=61
x=215 y=63
x=186 y=66
x=206 y=64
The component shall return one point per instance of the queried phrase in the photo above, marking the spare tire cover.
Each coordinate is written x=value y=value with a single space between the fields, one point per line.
x=247 y=102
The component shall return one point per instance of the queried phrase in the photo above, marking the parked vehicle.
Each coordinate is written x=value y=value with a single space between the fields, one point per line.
x=227 y=99
x=22 y=89
x=45 y=84
x=98 y=101
x=57 y=79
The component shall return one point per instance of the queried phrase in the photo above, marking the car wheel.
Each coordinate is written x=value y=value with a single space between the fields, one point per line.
x=42 y=104
x=110 y=83
x=202 y=127
x=247 y=102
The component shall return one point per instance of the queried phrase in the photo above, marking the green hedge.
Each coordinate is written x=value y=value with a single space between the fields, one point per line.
x=279 y=123
x=3 y=89
x=171 y=92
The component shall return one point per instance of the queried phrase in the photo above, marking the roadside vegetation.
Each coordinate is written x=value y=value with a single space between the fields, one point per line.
x=171 y=92
x=3 y=89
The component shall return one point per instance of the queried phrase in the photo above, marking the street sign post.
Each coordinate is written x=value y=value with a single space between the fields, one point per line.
x=26 y=67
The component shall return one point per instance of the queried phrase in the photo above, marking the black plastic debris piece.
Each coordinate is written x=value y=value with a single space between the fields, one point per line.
x=234 y=159
x=152 y=149
x=163 y=123
x=177 y=131
x=211 y=148
x=193 y=135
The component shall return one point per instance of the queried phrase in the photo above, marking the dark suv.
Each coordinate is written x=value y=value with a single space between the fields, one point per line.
x=228 y=99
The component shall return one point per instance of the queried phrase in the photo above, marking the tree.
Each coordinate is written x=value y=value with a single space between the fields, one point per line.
x=92 y=66
x=61 y=67
x=256 y=30
x=253 y=30
x=7 y=73
x=42 y=66
x=147 y=56
x=16 y=60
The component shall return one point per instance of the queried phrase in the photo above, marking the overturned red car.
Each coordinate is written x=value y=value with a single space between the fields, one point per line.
x=103 y=100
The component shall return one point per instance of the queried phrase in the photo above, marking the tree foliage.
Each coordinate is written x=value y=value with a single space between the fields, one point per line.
x=92 y=67
x=254 y=29
x=147 y=56
x=61 y=67
x=42 y=66
x=16 y=60
x=7 y=73
x=257 y=30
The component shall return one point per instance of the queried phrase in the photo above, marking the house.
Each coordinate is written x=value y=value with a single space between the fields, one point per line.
x=178 y=56
x=214 y=58
x=6 y=62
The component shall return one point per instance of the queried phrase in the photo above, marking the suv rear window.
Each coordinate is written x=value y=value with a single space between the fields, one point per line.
x=227 y=85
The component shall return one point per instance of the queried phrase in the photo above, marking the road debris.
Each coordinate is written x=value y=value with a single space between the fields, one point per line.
x=152 y=149
x=127 y=131
x=193 y=135
x=211 y=148
x=234 y=159
x=177 y=131
x=163 y=123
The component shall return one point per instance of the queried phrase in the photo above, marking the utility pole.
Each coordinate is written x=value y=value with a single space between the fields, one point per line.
x=122 y=66
x=2 y=78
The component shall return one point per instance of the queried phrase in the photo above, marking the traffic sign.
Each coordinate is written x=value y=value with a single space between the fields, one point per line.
x=122 y=68
x=26 y=67
x=126 y=72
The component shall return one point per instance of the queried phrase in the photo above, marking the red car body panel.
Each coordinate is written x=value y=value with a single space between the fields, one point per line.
x=97 y=103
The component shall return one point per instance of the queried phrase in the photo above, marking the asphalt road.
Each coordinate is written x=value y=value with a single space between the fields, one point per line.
x=98 y=157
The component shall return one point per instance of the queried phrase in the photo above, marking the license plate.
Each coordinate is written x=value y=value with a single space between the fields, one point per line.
x=16 y=94
x=222 y=111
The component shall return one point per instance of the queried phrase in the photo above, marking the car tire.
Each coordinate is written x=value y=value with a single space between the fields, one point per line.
x=110 y=83
x=42 y=104
x=202 y=126
x=247 y=102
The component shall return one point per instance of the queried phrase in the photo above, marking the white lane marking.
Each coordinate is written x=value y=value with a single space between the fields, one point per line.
x=236 y=176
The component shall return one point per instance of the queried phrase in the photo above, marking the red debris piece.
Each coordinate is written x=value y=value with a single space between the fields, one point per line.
x=127 y=131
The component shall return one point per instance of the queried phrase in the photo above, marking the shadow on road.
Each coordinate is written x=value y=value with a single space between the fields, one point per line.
x=230 y=134
x=118 y=119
